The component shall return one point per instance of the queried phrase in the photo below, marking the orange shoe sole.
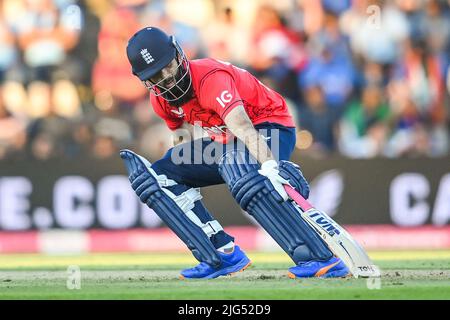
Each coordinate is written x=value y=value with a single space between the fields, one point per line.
x=321 y=272
x=242 y=270
x=292 y=276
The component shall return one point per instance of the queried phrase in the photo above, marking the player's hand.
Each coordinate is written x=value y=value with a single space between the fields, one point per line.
x=292 y=172
x=270 y=170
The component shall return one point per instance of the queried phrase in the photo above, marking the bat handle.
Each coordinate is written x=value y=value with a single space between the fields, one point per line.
x=297 y=197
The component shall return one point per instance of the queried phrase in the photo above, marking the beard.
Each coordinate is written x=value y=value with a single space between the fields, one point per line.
x=179 y=90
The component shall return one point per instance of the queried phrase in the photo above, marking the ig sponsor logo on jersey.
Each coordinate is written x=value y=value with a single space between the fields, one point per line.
x=224 y=98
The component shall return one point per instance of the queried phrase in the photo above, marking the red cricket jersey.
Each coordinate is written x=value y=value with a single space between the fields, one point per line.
x=218 y=88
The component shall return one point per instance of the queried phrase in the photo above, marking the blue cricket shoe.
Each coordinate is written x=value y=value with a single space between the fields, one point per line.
x=333 y=268
x=231 y=263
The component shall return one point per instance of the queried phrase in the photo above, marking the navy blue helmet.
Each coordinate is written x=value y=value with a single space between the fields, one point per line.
x=160 y=63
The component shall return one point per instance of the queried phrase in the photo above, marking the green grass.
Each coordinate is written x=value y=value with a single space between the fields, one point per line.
x=406 y=275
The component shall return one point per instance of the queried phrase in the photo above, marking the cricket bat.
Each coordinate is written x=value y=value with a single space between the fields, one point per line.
x=340 y=242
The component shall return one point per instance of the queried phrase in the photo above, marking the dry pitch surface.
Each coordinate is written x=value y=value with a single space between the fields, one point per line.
x=405 y=275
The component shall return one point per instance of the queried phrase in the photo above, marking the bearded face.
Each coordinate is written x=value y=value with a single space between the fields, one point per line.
x=173 y=82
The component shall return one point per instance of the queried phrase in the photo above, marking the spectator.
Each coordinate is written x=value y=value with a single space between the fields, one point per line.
x=12 y=131
x=104 y=147
x=373 y=74
x=275 y=52
x=113 y=122
x=225 y=39
x=84 y=54
x=15 y=99
x=334 y=74
x=319 y=119
x=111 y=128
x=187 y=36
x=331 y=38
x=409 y=137
x=364 y=127
x=337 y=7
x=111 y=72
x=45 y=34
x=378 y=34
x=330 y=66
x=49 y=133
x=65 y=99
x=9 y=56
x=420 y=75
x=424 y=22
x=81 y=139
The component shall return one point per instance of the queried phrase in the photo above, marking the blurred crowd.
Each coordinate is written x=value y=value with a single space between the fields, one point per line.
x=363 y=78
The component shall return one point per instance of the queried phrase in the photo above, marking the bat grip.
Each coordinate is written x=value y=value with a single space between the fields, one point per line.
x=297 y=197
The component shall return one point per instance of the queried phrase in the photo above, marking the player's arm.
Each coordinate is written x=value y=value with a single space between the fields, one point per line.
x=239 y=123
x=220 y=94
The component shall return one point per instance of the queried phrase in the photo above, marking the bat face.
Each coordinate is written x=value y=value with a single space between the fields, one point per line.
x=340 y=242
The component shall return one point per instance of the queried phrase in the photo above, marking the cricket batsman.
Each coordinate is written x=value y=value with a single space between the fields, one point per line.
x=251 y=138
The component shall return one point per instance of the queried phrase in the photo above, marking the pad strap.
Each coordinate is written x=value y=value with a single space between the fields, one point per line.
x=211 y=228
x=186 y=202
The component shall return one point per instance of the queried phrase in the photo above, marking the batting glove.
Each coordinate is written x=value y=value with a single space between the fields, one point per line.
x=270 y=170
